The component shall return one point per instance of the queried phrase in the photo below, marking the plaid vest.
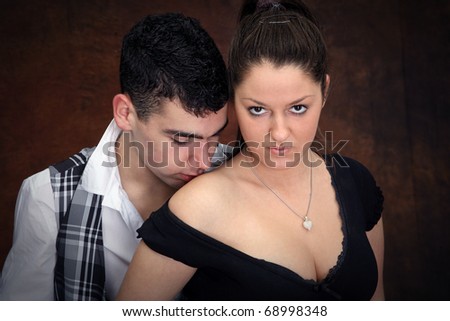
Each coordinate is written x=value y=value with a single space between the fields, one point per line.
x=80 y=264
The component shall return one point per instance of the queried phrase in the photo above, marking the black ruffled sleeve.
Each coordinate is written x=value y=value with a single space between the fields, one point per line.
x=166 y=234
x=370 y=193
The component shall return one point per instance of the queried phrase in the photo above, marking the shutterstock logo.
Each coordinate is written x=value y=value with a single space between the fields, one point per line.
x=211 y=153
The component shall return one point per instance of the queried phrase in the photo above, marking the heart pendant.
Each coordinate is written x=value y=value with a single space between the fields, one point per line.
x=307 y=223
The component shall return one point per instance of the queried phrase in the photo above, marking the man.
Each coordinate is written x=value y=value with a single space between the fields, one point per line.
x=75 y=222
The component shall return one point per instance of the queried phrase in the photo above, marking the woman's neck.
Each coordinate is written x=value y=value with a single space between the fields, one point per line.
x=292 y=172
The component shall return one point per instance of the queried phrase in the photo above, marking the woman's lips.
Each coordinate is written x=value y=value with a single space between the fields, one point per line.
x=279 y=151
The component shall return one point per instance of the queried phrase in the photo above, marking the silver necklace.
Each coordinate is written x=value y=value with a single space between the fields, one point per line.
x=307 y=223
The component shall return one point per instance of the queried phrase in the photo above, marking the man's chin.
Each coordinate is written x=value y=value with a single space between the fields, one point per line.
x=176 y=183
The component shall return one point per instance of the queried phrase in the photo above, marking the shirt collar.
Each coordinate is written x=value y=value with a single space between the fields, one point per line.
x=101 y=168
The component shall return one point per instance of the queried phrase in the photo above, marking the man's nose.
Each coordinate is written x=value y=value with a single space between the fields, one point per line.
x=202 y=156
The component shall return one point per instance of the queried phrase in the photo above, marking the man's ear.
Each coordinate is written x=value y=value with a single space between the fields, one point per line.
x=124 y=112
x=327 y=89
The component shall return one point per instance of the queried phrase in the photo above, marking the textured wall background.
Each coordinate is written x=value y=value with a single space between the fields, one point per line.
x=389 y=67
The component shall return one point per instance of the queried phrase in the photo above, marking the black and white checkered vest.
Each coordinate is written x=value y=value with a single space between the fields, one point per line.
x=80 y=263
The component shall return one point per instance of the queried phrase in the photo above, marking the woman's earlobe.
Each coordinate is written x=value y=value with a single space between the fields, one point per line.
x=326 y=91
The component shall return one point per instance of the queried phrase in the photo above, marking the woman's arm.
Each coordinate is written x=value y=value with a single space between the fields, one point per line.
x=152 y=276
x=376 y=239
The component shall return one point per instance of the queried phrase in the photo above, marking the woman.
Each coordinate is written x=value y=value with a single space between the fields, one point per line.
x=278 y=221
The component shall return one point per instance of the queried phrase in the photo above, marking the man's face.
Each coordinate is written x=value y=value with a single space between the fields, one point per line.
x=177 y=146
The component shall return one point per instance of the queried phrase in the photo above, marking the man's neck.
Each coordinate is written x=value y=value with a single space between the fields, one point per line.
x=145 y=190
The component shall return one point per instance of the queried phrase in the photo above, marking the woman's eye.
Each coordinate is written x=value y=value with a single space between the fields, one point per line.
x=298 y=109
x=256 y=110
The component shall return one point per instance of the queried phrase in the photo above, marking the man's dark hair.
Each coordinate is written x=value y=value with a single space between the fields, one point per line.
x=171 y=56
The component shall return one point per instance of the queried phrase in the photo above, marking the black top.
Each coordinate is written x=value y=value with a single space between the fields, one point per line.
x=224 y=273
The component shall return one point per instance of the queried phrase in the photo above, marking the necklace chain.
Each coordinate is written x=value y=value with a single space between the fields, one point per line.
x=307 y=223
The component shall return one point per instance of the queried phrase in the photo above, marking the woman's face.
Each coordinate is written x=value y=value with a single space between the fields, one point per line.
x=278 y=110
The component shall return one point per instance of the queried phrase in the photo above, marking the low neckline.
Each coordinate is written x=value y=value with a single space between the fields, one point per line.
x=275 y=267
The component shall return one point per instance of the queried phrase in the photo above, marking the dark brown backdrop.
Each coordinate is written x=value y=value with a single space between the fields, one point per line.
x=59 y=72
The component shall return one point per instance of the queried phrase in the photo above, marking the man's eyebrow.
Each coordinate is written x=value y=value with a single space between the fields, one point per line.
x=181 y=133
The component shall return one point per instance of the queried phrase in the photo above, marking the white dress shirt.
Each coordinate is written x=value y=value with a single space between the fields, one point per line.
x=28 y=271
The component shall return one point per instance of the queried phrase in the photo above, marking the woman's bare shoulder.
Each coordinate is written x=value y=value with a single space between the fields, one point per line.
x=201 y=202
